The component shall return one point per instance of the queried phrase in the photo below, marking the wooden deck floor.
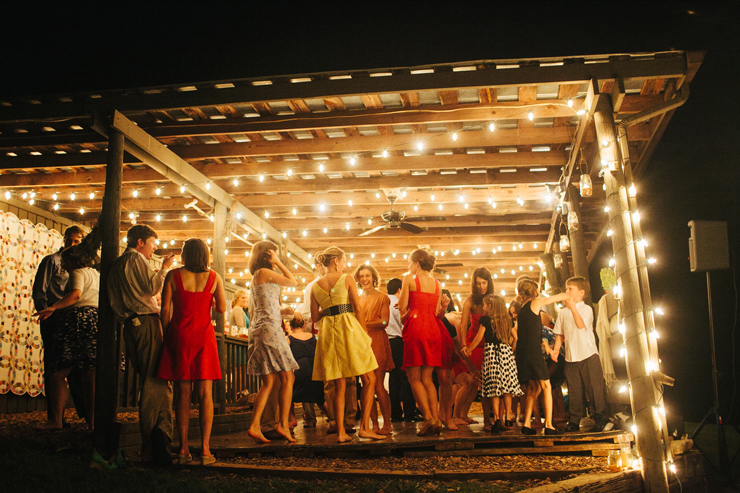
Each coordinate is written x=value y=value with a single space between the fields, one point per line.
x=467 y=441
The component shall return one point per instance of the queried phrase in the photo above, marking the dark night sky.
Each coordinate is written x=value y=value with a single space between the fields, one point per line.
x=693 y=174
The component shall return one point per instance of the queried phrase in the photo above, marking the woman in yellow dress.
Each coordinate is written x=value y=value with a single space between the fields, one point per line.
x=344 y=347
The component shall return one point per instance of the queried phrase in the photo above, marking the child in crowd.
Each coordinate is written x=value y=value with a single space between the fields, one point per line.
x=499 y=368
x=575 y=325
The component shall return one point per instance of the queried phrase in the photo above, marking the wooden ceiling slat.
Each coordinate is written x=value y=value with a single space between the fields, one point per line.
x=410 y=99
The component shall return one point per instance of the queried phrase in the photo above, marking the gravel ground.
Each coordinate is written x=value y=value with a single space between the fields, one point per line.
x=29 y=426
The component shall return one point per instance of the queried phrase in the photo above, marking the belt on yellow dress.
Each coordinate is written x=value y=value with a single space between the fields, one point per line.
x=338 y=309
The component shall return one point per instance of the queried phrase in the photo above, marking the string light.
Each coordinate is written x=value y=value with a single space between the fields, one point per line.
x=530 y=115
x=56 y=206
x=182 y=189
x=454 y=136
x=349 y=202
x=262 y=178
x=491 y=126
x=158 y=191
x=352 y=161
x=135 y=193
x=72 y=196
x=82 y=210
x=267 y=215
x=570 y=103
x=208 y=187
x=290 y=171
x=385 y=153
x=92 y=195
x=295 y=211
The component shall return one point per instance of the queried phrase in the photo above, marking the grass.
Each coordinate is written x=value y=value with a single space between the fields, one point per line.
x=37 y=466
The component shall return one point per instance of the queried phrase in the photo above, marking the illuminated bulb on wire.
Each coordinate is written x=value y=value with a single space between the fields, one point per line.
x=347 y=226
x=440 y=207
x=72 y=196
x=385 y=153
x=432 y=197
x=267 y=215
x=24 y=196
x=158 y=218
x=295 y=211
x=212 y=218
x=369 y=221
x=652 y=260
x=31 y=202
x=56 y=207
x=581 y=112
x=264 y=236
x=262 y=178
x=643 y=243
x=238 y=215
x=92 y=195
x=352 y=161
x=208 y=187
x=519 y=201
x=491 y=127
x=305 y=232
x=182 y=189
x=372 y=255
x=53 y=196
x=607 y=208
x=285 y=235
x=570 y=103
x=636 y=216
x=466 y=205
x=604 y=143
x=290 y=172
x=454 y=136
x=321 y=168
x=632 y=191
x=326 y=230
x=349 y=202
x=82 y=210
x=622 y=389
x=135 y=193
x=530 y=115
x=611 y=262
x=659 y=311
x=184 y=218
x=420 y=146
x=416 y=208
x=609 y=233
x=158 y=191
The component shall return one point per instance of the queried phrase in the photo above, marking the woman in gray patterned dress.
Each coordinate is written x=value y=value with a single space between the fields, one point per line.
x=269 y=352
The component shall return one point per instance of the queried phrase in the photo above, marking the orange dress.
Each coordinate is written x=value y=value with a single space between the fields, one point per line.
x=372 y=308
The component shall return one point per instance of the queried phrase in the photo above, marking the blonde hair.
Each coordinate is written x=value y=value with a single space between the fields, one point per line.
x=373 y=272
x=425 y=259
x=527 y=289
x=499 y=315
x=324 y=258
x=238 y=294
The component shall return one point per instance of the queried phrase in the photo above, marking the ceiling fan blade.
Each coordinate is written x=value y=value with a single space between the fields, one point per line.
x=371 y=231
x=411 y=228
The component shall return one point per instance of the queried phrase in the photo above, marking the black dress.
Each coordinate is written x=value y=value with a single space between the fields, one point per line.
x=529 y=362
x=304 y=388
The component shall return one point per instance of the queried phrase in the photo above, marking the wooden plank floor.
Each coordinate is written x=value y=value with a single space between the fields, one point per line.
x=470 y=441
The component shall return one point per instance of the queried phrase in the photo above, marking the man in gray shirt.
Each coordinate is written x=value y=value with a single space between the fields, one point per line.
x=132 y=288
x=48 y=288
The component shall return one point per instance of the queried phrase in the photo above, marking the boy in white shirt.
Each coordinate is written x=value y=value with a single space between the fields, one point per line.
x=575 y=325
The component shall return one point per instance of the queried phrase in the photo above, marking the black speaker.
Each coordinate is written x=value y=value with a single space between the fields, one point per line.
x=708 y=246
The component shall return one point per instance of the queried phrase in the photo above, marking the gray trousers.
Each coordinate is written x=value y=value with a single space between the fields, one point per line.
x=350 y=401
x=586 y=374
x=143 y=338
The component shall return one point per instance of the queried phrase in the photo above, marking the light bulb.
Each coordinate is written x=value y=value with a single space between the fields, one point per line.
x=262 y=178
x=349 y=202
x=369 y=221
x=135 y=193
x=158 y=217
x=326 y=230
x=31 y=202
x=290 y=172
x=295 y=211
x=607 y=208
x=530 y=115
x=82 y=210
x=347 y=226
x=491 y=127
x=440 y=207
x=184 y=218
x=570 y=103
x=53 y=196
x=208 y=187
x=321 y=168
x=385 y=153
x=632 y=191
x=182 y=189
x=56 y=207
x=352 y=161
x=420 y=146
x=72 y=196
x=92 y=195
x=267 y=215
x=454 y=136
x=158 y=190
x=652 y=260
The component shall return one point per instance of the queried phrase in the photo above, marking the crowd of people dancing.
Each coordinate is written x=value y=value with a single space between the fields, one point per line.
x=437 y=359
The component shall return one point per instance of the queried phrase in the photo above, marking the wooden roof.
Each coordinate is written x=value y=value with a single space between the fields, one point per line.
x=316 y=154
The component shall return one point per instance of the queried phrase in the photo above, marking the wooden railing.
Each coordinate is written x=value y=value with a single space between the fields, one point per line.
x=236 y=377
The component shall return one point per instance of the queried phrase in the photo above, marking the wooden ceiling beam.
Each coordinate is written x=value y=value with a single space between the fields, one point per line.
x=364 y=144
x=668 y=64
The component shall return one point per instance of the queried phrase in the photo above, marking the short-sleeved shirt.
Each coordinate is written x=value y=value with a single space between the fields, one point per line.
x=395 y=327
x=87 y=280
x=579 y=343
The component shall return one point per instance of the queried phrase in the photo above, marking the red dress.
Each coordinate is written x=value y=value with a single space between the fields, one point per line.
x=476 y=353
x=422 y=338
x=189 y=351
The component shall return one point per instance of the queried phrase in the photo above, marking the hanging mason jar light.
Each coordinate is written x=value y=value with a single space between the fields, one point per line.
x=557 y=260
x=573 y=223
x=585 y=185
x=564 y=240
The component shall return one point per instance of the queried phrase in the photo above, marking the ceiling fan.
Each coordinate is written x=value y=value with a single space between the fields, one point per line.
x=394 y=218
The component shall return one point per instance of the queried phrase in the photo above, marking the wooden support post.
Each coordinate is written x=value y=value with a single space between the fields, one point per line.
x=639 y=365
x=108 y=360
x=219 y=265
x=564 y=269
x=553 y=277
x=577 y=242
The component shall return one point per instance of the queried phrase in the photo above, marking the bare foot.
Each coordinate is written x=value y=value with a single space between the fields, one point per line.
x=343 y=437
x=460 y=421
x=487 y=427
x=285 y=433
x=450 y=425
x=257 y=436
x=470 y=421
x=385 y=430
x=370 y=434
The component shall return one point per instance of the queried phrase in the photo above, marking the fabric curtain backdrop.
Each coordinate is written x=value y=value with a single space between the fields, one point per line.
x=22 y=246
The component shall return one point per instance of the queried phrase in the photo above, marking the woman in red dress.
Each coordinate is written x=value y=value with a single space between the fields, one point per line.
x=189 y=352
x=422 y=337
x=480 y=286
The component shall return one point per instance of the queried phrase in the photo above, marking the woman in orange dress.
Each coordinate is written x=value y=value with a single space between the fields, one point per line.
x=376 y=307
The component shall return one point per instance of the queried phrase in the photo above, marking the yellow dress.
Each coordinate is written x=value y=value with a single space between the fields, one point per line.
x=344 y=348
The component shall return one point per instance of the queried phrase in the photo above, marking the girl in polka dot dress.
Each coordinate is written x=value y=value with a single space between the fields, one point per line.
x=499 y=366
